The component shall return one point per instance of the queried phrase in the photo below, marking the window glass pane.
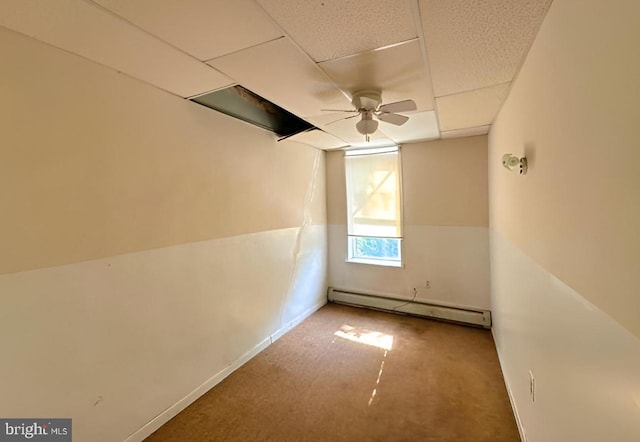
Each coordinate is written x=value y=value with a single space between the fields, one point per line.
x=376 y=248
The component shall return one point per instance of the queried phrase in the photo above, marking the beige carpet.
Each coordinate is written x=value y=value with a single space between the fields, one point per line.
x=437 y=382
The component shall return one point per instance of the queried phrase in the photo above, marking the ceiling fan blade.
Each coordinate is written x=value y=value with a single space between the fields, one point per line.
x=340 y=119
x=338 y=110
x=396 y=119
x=399 y=106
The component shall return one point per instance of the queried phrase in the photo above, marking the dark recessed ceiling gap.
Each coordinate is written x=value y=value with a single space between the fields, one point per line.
x=245 y=105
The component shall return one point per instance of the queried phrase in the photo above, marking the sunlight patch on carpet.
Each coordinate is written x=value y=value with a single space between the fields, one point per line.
x=366 y=337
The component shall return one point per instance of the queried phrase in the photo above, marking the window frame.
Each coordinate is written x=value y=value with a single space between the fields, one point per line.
x=351 y=239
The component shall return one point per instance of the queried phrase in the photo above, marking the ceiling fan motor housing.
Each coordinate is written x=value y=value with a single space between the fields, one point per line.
x=366 y=100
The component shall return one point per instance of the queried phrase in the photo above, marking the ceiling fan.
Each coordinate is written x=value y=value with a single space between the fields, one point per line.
x=368 y=104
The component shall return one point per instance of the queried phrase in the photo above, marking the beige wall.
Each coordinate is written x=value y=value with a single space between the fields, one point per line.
x=444 y=183
x=445 y=226
x=574 y=112
x=336 y=188
x=80 y=182
x=565 y=243
x=148 y=246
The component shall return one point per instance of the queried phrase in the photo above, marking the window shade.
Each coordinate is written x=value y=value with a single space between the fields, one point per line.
x=373 y=193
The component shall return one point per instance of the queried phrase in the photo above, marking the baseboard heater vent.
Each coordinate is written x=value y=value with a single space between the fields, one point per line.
x=481 y=318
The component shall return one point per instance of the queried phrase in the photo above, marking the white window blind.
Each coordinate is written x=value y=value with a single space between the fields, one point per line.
x=374 y=204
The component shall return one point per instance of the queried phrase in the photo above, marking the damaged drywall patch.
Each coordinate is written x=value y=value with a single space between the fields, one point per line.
x=308 y=254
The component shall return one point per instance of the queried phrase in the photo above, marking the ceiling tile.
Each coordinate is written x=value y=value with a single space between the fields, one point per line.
x=471 y=109
x=398 y=71
x=334 y=28
x=281 y=73
x=421 y=126
x=87 y=30
x=319 y=139
x=474 y=44
x=378 y=142
x=203 y=28
x=345 y=128
x=469 y=132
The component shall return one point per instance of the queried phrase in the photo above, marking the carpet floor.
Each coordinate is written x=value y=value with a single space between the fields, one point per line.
x=349 y=374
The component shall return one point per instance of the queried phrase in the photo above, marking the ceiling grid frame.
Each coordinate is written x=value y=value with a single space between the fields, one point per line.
x=151 y=45
x=425 y=55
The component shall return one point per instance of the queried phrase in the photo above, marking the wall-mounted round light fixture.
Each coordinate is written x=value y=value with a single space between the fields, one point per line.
x=513 y=163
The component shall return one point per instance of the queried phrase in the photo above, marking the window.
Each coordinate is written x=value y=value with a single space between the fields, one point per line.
x=374 y=206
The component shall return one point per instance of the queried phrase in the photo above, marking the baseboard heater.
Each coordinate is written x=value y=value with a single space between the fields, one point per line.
x=467 y=316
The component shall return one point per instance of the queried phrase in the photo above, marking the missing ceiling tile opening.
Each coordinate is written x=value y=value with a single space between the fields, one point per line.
x=241 y=103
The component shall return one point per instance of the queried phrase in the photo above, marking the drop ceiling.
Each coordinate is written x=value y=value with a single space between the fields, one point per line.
x=455 y=58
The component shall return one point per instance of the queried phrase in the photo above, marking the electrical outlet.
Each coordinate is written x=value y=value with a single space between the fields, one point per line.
x=427 y=284
x=532 y=386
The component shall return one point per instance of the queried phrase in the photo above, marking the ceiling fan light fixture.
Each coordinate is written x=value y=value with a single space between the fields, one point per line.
x=367 y=125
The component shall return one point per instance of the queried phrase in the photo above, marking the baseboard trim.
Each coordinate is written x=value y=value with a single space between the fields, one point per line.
x=422 y=307
x=514 y=407
x=168 y=414
x=297 y=320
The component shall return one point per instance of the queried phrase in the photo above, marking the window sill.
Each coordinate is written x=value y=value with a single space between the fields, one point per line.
x=375 y=262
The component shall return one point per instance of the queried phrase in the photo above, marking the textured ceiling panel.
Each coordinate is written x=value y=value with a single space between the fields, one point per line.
x=328 y=29
x=397 y=71
x=281 y=73
x=480 y=130
x=471 y=109
x=421 y=126
x=203 y=28
x=87 y=30
x=379 y=142
x=474 y=44
x=345 y=129
x=319 y=139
